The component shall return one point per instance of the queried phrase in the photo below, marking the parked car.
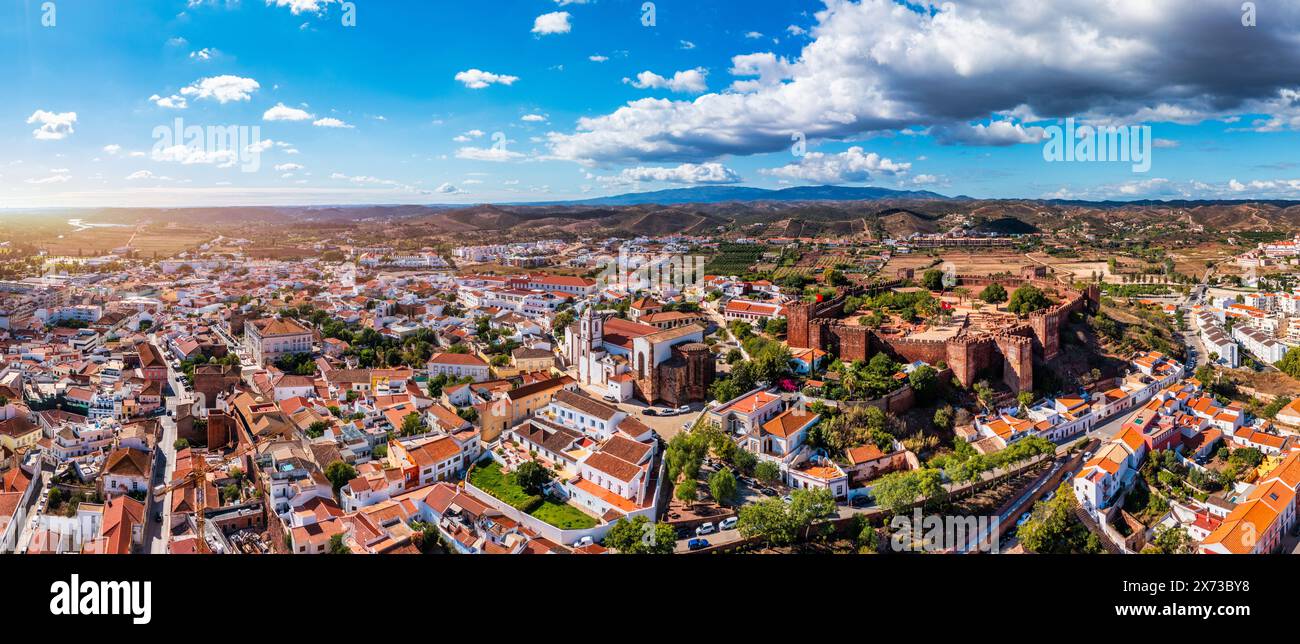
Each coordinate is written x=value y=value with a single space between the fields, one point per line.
x=649 y=412
x=684 y=533
x=1024 y=518
x=684 y=409
x=788 y=499
x=705 y=528
x=697 y=544
x=583 y=542
x=728 y=523
x=610 y=399
x=767 y=491
x=860 y=501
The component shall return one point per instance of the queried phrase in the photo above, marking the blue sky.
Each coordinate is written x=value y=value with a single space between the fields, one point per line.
x=534 y=100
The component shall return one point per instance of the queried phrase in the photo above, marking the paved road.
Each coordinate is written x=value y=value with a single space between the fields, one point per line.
x=716 y=539
x=164 y=468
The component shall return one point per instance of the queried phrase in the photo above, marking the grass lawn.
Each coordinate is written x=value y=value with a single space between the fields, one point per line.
x=563 y=516
x=490 y=479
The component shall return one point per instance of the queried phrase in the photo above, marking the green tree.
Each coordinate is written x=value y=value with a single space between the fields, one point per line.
x=685 y=453
x=867 y=540
x=745 y=461
x=532 y=476
x=339 y=473
x=768 y=519
x=1053 y=527
x=943 y=417
x=1290 y=363
x=412 y=424
x=317 y=429
x=1171 y=541
x=993 y=294
x=832 y=277
x=925 y=382
x=984 y=391
x=898 y=491
x=932 y=280
x=337 y=546
x=810 y=508
x=640 y=537
x=1027 y=299
x=722 y=485
x=767 y=472
x=686 y=491
x=775 y=326
x=1025 y=398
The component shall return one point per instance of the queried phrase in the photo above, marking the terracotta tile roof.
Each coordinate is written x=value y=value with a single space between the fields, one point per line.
x=588 y=406
x=789 y=422
x=459 y=359
x=128 y=462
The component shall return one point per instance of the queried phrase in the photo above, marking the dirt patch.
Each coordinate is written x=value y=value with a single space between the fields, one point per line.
x=1271 y=383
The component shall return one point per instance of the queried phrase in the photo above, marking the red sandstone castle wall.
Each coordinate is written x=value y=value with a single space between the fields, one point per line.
x=931 y=351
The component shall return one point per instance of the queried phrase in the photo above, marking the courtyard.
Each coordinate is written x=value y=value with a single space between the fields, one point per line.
x=492 y=479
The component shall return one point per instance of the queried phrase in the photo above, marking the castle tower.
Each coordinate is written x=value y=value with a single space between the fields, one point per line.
x=797 y=317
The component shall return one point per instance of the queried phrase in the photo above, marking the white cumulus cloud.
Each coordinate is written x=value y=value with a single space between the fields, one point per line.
x=222 y=89
x=686 y=81
x=53 y=126
x=850 y=166
x=556 y=22
x=479 y=79
x=282 y=112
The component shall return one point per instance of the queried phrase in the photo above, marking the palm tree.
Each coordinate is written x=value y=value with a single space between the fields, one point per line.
x=851 y=380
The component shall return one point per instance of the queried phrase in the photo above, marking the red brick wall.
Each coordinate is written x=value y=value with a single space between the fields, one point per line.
x=220 y=429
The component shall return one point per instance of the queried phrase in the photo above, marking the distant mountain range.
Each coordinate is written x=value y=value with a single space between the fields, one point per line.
x=720 y=194
x=807 y=211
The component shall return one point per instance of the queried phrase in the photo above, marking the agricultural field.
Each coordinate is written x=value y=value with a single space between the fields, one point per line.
x=734 y=259
x=913 y=261
x=161 y=240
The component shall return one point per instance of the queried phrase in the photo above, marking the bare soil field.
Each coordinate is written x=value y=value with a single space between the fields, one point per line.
x=1271 y=383
x=986 y=263
x=1191 y=261
x=914 y=262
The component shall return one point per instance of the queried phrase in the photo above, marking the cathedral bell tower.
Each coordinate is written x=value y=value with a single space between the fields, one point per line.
x=592 y=330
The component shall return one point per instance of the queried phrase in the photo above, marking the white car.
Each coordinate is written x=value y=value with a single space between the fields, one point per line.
x=728 y=523
x=583 y=542
x=707 y=528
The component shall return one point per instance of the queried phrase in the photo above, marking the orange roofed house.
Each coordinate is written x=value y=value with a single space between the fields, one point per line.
x=1257 y=525
x=269 y=339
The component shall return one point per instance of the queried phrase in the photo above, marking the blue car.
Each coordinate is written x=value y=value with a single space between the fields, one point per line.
x=697 y=544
